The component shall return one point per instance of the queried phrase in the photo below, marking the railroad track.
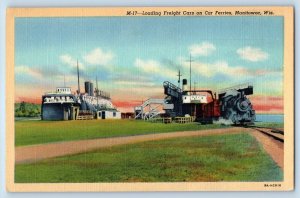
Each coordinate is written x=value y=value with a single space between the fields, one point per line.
x=275 y=133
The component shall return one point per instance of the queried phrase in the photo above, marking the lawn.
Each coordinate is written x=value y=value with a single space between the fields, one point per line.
x=39 y=132
x=270 y=124
x=237 y=157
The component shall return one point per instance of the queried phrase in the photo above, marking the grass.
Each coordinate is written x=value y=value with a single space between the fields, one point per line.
x=269 y=124
x=237 y=157
x=29 y=132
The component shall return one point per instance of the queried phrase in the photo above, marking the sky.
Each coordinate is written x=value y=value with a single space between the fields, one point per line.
x=133 y=56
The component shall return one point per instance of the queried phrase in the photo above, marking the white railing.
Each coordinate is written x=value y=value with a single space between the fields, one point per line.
x=58 y=99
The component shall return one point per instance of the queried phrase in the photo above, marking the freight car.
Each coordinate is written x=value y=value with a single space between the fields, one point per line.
x=230 y=104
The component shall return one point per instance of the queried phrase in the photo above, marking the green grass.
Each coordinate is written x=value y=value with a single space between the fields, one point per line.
x=237 y=157
x=40 y=132
x=269 y=124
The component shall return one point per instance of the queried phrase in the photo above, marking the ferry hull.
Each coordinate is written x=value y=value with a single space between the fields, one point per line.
x=60 y=111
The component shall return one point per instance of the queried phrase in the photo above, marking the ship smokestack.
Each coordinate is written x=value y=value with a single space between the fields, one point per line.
x=184 y=85
x=97 y=90
x=89 y=88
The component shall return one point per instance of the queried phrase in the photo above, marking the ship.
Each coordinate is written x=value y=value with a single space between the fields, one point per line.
x=62 y=104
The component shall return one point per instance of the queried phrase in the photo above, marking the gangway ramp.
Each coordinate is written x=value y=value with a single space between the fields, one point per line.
x=151 y=108
x=172 y=90
x=174 y=96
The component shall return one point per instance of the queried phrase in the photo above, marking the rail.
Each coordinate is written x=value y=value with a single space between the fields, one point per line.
x=172 y=86
x=85 y=117
x=183 y=120
x=172 y=90
x=85 y=112
x=275 y=133
x=166 y=120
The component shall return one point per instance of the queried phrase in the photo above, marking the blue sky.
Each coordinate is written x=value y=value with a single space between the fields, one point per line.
x=139 y=53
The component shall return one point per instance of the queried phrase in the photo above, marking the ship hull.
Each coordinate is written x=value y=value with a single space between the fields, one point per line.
x=59 y=111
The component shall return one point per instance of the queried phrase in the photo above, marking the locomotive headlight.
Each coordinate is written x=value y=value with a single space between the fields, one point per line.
x=243 y=105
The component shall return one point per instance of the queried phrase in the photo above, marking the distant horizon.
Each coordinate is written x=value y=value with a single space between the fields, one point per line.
x=39 y=102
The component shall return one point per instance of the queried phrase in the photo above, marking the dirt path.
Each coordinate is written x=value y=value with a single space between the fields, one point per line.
x=273 y=147
x=28 y=154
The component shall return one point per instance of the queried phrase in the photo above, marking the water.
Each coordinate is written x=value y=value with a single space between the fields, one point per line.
x=278 y=118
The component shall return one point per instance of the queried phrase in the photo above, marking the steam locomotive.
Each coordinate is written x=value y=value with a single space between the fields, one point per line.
x=236 y=107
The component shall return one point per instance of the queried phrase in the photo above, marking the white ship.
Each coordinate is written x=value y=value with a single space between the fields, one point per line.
x=62 y=104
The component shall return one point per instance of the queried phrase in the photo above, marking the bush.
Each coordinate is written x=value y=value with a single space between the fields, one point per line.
x=24 y=109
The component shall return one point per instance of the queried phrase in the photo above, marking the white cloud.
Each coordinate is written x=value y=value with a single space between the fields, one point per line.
x=147 y=66
x=252 y=54
x=140 y=92
x=221 y=67
x=218 y=67
x=69 y=60
x=154 y=67
x=98 y=57
x=202 y=49
x=25 y=70
x=135 y=83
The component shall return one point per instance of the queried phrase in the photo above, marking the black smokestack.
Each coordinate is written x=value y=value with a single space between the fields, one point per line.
x=184 y=85
x=87 y=87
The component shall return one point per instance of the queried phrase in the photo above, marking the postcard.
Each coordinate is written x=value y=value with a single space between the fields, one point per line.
x=150 y=99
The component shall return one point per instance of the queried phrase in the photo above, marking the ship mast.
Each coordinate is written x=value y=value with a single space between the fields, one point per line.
x=179 y=75
x=97 y=91
x=78 y=78
x=191 y=72
x=64 y=80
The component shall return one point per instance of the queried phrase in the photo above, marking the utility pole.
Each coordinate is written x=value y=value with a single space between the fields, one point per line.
x=195 y=107
x=64 y=80
x=190 y=60
x=190 y=72
x=179 y=75
x=97 y=91
x=78 y=77
x=191 y=113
